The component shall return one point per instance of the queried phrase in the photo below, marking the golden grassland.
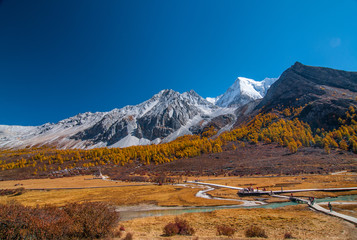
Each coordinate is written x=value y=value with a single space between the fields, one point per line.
x=124 y=193
x=66 y=182
x=288 y=182
x=297 y=220
x=166 y=195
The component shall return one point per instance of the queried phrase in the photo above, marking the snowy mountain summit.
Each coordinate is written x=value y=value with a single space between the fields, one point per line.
x=243 y=91
x=149 y=122
x=162 y=118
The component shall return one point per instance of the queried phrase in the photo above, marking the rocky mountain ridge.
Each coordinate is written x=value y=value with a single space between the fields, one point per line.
x=324 y=94
x=164 y=117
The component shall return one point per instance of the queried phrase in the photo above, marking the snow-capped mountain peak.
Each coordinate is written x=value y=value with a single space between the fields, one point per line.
x=164 y=117
x=244 y=90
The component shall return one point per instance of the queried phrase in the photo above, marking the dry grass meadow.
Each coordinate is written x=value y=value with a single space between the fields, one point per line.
x=120 y=193
x=129 y=193
x=301 y=222
x=288 y=182
x=85 y=181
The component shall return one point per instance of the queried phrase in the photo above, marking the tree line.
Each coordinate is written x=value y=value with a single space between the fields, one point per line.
x=282 y=127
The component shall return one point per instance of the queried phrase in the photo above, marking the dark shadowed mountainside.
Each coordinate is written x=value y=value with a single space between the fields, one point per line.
x=324 y=93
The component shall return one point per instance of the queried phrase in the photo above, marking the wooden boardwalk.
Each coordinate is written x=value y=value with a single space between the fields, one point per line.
x=215 y=185
x=260 y=192
x=315 y=190
x=317 y=207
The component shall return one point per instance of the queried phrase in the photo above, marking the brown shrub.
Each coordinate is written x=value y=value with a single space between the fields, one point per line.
x=92 y=219
x=171 y=229
x=184 y=227
x=15 y=192
x=180 y=227
x=225 y=230
x=129 y=236
x=12 y=221
x=48 y=222
x=20 y=191
x=288 y=235
x=20 y=222
x=255 y=231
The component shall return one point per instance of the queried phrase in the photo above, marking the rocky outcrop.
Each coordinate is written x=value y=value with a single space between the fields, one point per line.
x=155 y=119
x=324 y=93
x=172 y=112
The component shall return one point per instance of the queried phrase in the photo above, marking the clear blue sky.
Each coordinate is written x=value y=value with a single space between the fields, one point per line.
x=60 y=58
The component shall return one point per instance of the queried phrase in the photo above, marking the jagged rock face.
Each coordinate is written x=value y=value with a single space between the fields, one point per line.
x=164 y=117
x=156 y=118
x=172 y=112
x=324 y=93
x=220 y=121
x=107 y=129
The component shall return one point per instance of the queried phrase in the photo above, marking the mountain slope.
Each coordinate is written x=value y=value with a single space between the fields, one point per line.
x=164 y=117
x=323 y=93
x=243 y=91
x=49 y=133
x=153 y=120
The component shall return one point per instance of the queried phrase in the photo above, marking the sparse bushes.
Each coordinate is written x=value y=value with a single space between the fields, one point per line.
x=225 y=230
x=92 y=219
x=129 y=236
x=15 y=192
x=171 y=229
x=20 y=222
x=255 y=231
x=288 y=235
x=184 y=227
x=87 y=220
x=180 y=227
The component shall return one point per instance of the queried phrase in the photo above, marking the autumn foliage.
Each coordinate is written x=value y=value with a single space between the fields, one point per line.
x=44 y=159
x=281 y=127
